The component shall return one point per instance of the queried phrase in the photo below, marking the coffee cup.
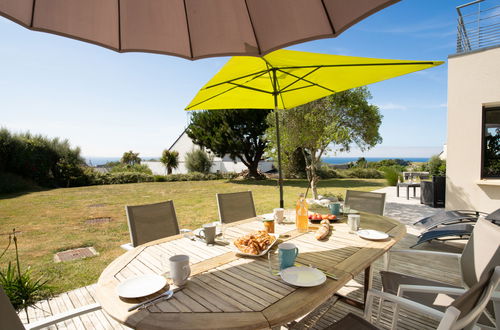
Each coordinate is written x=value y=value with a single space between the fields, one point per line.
x=353 y=222
x=287 y=253
x=279 y=215
x=179 y=269
x=208 y=233
x=334 y=208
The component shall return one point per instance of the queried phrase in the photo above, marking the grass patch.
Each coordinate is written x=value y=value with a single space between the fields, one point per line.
x=55 y=220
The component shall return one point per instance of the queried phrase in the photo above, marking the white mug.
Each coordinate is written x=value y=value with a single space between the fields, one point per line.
x=179 y=269
x=279 y=215
x=353 y=221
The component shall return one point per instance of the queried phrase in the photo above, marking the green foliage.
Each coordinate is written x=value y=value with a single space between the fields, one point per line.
x=47 y=162
x=139 y=168
x=334 y=123
x=436 y=166
x=130 y=158
x=295 y=165
x=10 y=183
x=22 y=288
x=361 y=162
x=363 y=173
x=391 y=176
x=327 y=172
x=198 y=161
x=170 y=159
x=491 y=167
x=239 y=133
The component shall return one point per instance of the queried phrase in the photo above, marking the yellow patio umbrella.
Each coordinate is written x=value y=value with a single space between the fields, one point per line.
x=285 y=79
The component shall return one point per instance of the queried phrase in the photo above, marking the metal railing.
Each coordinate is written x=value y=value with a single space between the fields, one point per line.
x=478 y=25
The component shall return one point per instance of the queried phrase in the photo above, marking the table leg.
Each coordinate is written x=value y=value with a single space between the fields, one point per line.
x=397 y=190
x=414 y=191
x=368 y=282
x=407 y=192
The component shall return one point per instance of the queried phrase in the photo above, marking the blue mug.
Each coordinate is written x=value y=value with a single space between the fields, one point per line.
x=287 y=253
x=334 y=208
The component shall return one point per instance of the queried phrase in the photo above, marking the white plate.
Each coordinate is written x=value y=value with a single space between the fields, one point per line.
x=256 y=255
x=141 y=286
x=303 y=276
x=374 y=235
x=218 y=230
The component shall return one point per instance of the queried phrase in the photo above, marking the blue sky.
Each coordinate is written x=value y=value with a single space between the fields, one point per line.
x=108 y=103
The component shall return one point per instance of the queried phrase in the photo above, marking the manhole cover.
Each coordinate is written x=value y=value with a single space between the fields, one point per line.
x=75 y=254
x=98 y=220
x=97 y=205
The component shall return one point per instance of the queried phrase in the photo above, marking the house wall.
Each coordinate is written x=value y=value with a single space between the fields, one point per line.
x=473 y=82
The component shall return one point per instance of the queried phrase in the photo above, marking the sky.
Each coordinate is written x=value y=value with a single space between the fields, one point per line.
x=107 y=103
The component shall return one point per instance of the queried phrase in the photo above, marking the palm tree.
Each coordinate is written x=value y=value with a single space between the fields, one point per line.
x=170 y=159
x=131 y=158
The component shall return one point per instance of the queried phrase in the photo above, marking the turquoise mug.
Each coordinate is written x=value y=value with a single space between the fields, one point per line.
x=287 y=253
x=334 y=208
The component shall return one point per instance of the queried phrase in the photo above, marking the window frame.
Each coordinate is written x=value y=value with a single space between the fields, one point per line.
x=483 y=139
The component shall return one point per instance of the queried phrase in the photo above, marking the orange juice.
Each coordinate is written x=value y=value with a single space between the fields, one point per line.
x=301 y=219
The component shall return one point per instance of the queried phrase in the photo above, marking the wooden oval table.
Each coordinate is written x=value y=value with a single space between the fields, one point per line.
x=226 y=291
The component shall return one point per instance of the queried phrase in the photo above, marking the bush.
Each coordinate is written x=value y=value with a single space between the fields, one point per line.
x=436 y=166
x=363 y=173
x=391 y=175
x=120 y=168
x=10 y=183
x=198 y=161
x=326 y=172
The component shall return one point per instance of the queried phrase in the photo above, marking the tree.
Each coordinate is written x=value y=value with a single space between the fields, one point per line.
x=239 y=133
x=170 y=159
x=198 y=161
x=131 y=158
x=333 y=123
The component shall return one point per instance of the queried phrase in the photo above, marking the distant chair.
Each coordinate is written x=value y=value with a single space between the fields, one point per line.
x=235 y=206
x=9 y=320
x=150 y=222
x=366 y=201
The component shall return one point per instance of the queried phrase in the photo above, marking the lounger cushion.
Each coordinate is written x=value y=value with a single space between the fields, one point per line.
x=352 y=321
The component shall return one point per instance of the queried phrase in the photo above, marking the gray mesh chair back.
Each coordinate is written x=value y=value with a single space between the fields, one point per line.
x=151 y=222
x=235 y=206
x=8 y=316
x=482 y=252
x=365 y=201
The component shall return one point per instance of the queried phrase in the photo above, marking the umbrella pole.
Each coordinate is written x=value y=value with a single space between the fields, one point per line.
x=280 y=173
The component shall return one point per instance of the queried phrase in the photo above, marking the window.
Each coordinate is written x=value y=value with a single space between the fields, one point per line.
x=491 y=143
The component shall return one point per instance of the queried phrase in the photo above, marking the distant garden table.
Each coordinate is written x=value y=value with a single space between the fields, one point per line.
x=407 y=185
x=226 y=291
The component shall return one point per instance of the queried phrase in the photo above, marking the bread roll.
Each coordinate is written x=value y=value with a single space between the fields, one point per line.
x=323 y=230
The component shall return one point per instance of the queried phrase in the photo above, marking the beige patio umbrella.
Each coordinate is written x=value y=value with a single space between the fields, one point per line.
x=192 y=29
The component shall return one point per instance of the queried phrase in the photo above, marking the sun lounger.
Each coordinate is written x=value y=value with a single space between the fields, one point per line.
x=452 y=225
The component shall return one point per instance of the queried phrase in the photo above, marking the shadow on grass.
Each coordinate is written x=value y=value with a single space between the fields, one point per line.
x=10 y=195
x=325 y=183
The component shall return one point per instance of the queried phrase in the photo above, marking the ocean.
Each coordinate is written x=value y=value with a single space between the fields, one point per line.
x=345 y=160
x=94 y=161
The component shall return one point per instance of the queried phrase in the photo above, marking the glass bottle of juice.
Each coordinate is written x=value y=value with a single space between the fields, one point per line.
x=301 y=219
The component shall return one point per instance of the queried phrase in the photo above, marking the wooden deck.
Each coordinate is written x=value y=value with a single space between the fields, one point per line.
x=443 y=270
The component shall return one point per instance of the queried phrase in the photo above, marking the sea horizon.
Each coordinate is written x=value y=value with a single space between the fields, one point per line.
x=95 y=161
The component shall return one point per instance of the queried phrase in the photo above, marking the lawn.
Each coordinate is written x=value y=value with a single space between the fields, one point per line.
x=54 y=220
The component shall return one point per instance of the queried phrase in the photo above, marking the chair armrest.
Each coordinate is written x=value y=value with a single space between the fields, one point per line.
x=387 y=256
x=400 y=302
x=51 y=320
x=429 y=289
x=184 y=230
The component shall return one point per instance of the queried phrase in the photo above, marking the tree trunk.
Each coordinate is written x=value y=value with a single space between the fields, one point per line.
x=253 y=169
x=314 y=181
x=169 y=170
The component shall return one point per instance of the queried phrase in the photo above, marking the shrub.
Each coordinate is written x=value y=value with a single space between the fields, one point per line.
x=363 y=173
x=437 y=166
x=131 y=168
x=391 y=175
x=10 y=183
x=326 y=172
x=198 y=161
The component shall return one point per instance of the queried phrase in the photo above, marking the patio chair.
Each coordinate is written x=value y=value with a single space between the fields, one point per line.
x=481 y=254
x=461 y=314
x=9 y=320
x=235 y=206
x=451 y=225
x=365 y=201
x=150 y=222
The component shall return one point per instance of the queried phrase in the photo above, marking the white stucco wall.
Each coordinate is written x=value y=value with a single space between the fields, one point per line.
x=473 y=82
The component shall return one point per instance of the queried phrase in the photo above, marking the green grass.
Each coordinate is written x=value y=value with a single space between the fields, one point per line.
x=54 y=220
